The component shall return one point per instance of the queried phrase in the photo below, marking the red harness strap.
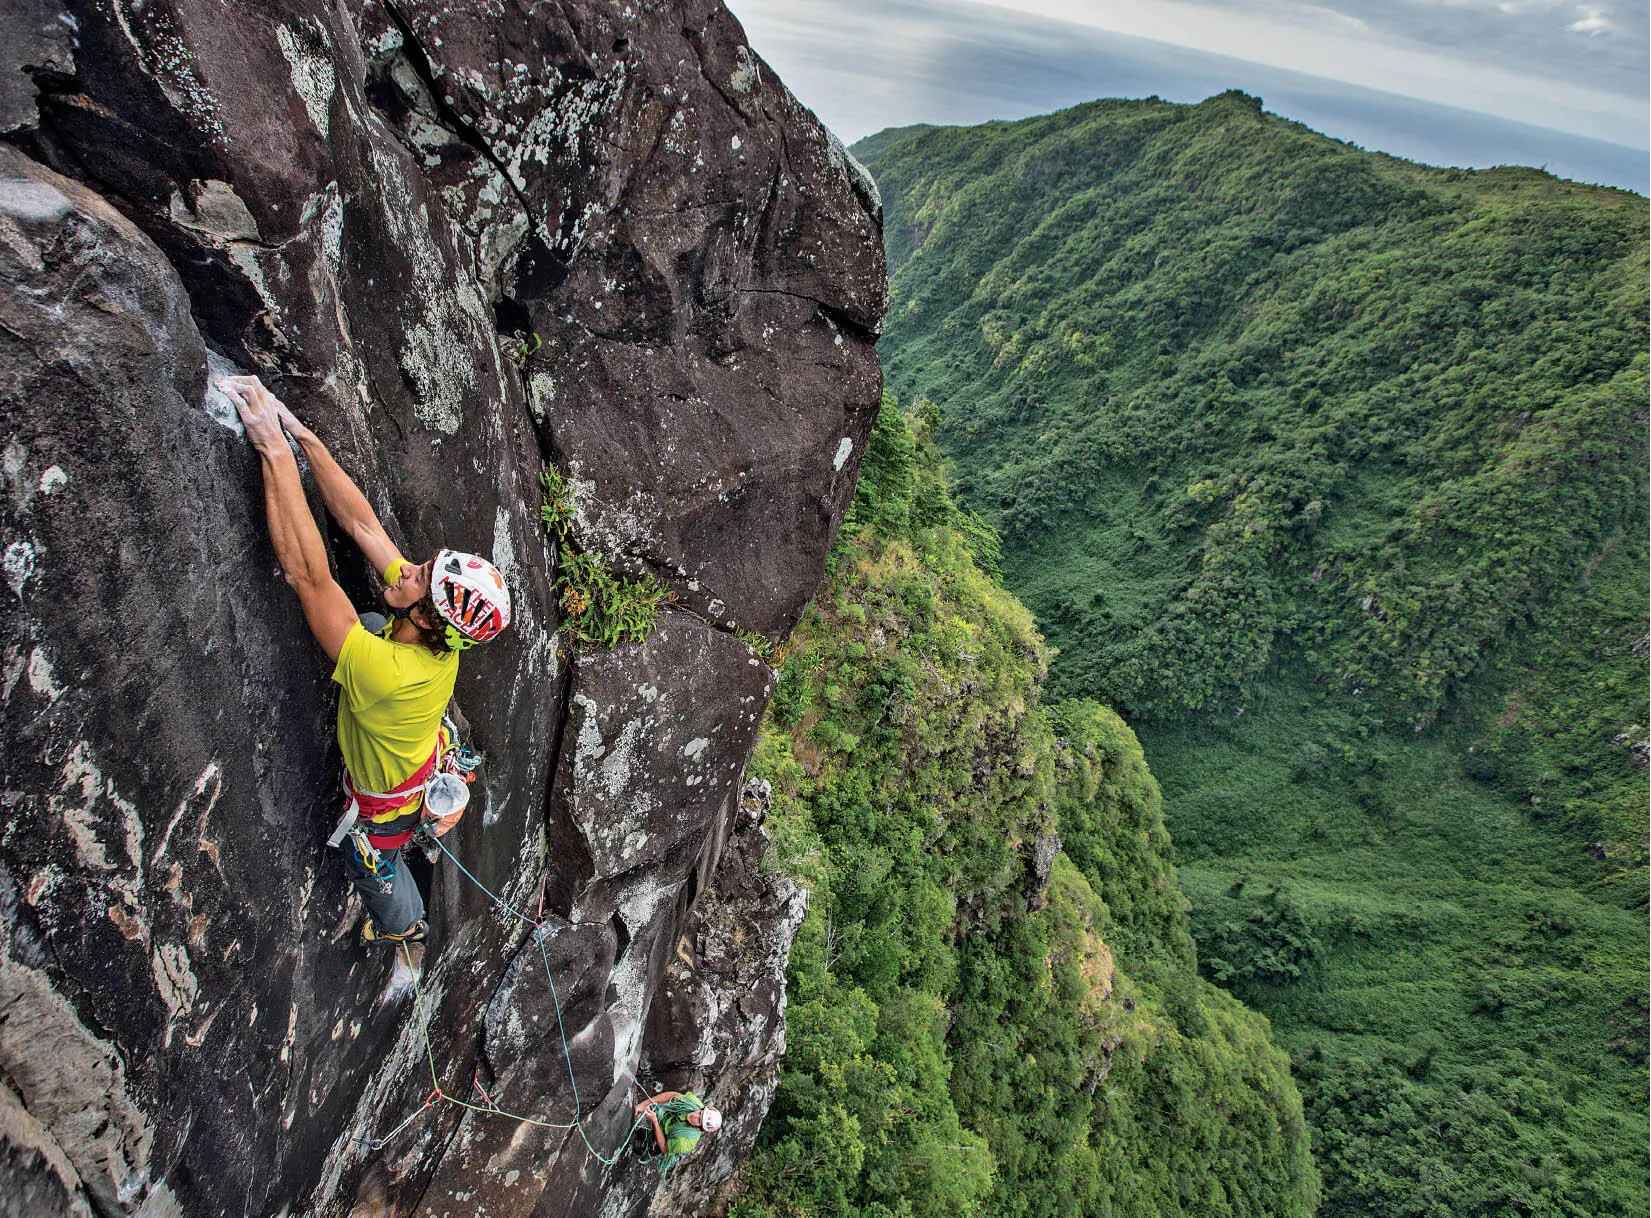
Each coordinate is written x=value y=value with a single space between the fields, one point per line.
x=394 y=831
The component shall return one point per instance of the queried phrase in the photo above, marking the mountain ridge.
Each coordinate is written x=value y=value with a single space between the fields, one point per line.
x=1328 y=470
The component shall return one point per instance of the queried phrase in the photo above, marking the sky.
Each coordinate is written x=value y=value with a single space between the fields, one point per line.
x=1552 y=83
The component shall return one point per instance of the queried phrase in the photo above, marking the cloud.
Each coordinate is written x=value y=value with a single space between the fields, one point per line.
x=869 y=64
x=1601 y=43
x=1593 y=21
x=1467 y=53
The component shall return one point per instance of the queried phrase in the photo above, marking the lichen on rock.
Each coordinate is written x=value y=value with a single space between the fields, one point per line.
x=380 y=208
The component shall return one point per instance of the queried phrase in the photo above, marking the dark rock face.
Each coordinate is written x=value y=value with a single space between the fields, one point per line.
x=718 y=1026
x=461 y=241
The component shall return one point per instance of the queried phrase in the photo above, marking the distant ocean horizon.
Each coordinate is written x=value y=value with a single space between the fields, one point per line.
x=867 y=65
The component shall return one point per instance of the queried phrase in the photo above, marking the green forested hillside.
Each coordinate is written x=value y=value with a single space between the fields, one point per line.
x=978 y=1024
x=1328 y=471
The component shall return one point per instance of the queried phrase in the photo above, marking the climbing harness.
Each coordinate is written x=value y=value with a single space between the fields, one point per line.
x=488 y=1107
x=444 y=783
x=370 y=805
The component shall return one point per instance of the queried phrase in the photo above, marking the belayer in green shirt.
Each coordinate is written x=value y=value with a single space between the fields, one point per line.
x=678 y=1117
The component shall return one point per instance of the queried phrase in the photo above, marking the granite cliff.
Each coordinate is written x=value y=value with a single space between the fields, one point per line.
x=464 y=243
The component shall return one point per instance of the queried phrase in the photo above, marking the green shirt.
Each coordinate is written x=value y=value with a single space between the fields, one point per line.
x=680 y=1137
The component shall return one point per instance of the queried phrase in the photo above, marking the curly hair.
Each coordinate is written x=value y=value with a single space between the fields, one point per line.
x=433 y=637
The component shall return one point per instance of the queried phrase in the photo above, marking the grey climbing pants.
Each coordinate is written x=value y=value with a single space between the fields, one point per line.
x=389 y=892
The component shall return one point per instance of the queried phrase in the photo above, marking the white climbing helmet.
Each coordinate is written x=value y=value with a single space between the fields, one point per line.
x=710 y=1119
x=471 y=597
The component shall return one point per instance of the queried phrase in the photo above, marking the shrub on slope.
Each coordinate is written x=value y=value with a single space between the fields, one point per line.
x=1329 y=470
x=977 y=1024
x=1225 y=385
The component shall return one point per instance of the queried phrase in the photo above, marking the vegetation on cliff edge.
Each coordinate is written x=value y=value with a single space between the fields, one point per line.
x=1329 y=471
x=979 y=1023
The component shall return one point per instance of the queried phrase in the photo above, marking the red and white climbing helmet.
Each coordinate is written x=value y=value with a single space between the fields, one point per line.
x=471 y=597
x=710 y=1119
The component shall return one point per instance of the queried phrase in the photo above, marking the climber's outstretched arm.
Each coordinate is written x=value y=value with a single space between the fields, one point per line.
x=647 y=1108
x=342 y=496
x=292 y=530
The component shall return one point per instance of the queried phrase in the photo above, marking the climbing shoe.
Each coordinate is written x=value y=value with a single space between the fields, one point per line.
x=413 y=934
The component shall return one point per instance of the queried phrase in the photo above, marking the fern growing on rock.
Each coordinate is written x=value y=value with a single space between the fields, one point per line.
x=598 y=606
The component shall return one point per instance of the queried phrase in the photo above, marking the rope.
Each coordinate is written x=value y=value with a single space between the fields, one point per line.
x=437 y=1095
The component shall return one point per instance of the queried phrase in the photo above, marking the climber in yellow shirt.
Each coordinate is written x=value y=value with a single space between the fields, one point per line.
x=395 y=675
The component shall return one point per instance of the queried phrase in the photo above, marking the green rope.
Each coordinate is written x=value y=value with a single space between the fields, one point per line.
x=437 y=1094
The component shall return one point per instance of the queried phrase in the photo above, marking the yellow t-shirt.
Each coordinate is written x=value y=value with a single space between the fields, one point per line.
x=390 y=708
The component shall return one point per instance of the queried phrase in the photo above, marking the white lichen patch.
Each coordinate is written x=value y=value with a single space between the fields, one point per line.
x=19 y=565
x=174 y=981
x=575 y=239
x=441 y=308
x=845 y=446
x=858 y=176
x=313 y=78
x=291 y=1037
x=210 y=776
x=677 y=138
x=164 y=55
x=79 y=785
x=132 y=824
x=53 y=480
x=15 y=465
x=745 y=75
x=618 y=768
x=41 y=679
x=82 y=787
x=589 y=744
x=329 y=206
x=561 y=119
x=504 y=555
x=541 y=394
x=434 y=356
x=499 y=238
x=245 y=258
x=16 y=664
x=614 y=529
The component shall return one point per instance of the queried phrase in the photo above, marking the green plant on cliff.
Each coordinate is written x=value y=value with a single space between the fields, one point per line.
x=1329 y=471
x=598 y=606
x=965 y=1036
